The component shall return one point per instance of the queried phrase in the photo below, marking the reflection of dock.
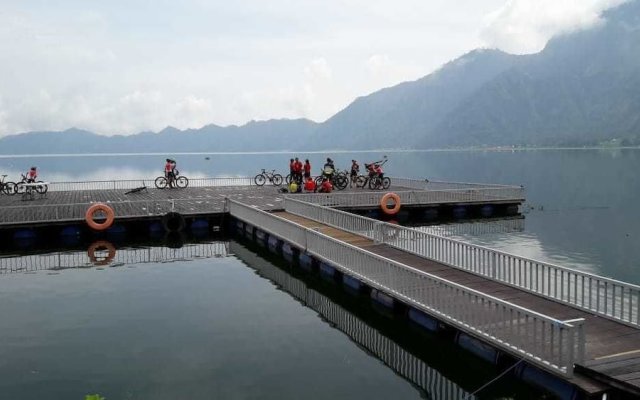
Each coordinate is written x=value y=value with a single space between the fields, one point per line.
x=400 y=360
x=126 y=256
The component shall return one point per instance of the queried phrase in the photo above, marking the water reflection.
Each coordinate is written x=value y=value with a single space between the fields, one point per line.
x=103 y=253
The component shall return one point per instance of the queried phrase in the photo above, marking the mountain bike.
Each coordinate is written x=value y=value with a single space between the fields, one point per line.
x=24 y=186
x=264 y=176
x=339 y=179
x=178 y=181
x=8 y=188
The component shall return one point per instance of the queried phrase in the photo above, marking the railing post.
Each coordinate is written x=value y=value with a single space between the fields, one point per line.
x=377 y=233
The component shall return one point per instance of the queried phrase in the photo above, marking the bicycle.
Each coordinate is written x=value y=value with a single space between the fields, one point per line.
x=8 y=188
x=180 y=181
x=339 y=179
x=26 y=187
x=264 y=176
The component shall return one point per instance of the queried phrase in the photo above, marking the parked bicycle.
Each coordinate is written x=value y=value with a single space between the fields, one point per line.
x=177 y=180
x=264 y=176
x=8 y=188
x=339 y=179
x=24 y=186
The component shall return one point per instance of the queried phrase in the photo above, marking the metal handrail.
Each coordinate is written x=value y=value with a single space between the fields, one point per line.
x=607 y=297
x=542 y=340
x=411 y=197
x=127 y=184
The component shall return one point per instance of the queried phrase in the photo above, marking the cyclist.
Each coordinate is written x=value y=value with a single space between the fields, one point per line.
x=32 y=175
x=355 y=168
x=326 y=186
x=307 y=169
x=310 y=185
x=169 y=168
x=377 y=168
x=292 y=165
x=328 y=169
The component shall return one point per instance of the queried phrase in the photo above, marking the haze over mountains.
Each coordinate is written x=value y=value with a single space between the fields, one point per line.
x=582 y=89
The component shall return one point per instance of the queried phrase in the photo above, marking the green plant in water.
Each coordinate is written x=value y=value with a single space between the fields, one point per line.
x=93 y=397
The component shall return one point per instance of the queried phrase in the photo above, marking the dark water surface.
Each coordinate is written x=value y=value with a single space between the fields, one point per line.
x=232 y=326
x=214 y=327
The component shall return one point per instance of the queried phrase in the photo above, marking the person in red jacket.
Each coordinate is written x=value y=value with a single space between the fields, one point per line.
x=326 y=186
x=32 y=175
x=297 y=167
x=310 y=185
x=307 y=169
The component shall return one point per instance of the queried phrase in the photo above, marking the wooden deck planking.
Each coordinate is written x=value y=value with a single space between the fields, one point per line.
x=604 y=337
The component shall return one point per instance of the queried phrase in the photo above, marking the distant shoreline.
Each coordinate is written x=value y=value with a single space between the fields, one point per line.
x=327 y=151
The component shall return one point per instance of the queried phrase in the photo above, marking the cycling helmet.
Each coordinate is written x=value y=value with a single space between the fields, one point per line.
x=33 y=168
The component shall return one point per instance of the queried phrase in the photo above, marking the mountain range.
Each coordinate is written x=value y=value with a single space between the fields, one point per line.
x=582 y=89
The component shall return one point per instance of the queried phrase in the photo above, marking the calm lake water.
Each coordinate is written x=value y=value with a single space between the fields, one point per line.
x=244 y=326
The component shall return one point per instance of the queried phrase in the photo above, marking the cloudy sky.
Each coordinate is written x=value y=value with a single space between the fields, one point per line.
x=128 y=66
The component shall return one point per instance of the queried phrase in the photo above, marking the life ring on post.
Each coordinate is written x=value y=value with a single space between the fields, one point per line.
x=100 y=226
x=101 y=245
x=396 y=203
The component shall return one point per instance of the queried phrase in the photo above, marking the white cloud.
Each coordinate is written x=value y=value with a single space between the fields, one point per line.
x=120 y=67
x=525 y=26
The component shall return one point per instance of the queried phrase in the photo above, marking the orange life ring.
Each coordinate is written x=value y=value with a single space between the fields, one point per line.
x=101 y=245
x=396 y=204
x=108 y=211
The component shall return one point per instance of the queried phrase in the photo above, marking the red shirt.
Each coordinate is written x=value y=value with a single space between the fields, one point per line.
x=307 y=167
x=310 y=185
x=297 y=166
x=292 y=166
x=326 y=186
x=32 y=174
x=168 y=167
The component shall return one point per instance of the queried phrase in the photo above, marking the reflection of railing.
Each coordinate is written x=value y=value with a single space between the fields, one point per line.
x=135 y=183
x=604 y=296
x=397 y=358
x=81 y=259
x=542 y=340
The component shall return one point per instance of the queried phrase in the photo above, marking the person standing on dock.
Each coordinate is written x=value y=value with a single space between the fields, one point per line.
x=169 y=166
x=307 y=169
x=292 y=165
x=355 y=169
x=297 y=168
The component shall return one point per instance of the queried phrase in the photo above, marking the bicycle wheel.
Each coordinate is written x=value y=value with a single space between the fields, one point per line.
x=288 y=179
x=318 y=181
x=161 y=182
x=20 y=189
x=259 y=179
x=375 y=183
x=182 y=182
x=9 y=188
x=361 y=181
x=341 y=182
x=386 y=182
x=42 y=189
x=277 y=180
